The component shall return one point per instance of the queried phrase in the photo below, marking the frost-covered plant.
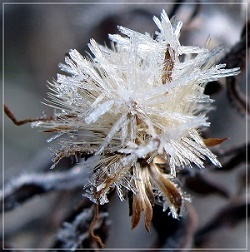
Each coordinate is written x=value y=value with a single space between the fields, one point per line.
x=137 y=110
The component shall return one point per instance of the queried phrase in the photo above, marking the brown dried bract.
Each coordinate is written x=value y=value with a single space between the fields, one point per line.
x=141 y=203
x=170 y=190
x=168 y=65
x=213 y=141
x=144 y=198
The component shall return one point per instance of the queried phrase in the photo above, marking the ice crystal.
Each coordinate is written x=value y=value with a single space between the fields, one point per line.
x=139 y=107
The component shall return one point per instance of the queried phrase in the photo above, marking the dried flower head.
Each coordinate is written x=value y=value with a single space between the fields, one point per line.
x=137 y=110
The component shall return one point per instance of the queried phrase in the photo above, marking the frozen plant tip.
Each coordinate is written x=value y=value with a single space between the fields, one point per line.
x=137 y=110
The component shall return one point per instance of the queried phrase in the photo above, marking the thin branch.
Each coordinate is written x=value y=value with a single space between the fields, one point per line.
x=178 y=4
x=237 y=57
x=77 y=230
x=22 y=188
x=205 y=185
x=175 y=8
x=174 y=233
x=236 y=97
x=11 y=116
x=93 y=223
x=238 y=156
x=227 y=216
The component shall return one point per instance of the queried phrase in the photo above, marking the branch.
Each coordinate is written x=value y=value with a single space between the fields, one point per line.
x=227 y=216
x=22 y=188
x=237 y=57
x=238 y=156
x=205 y=185
x=74 y=232
x=173 y=233
x=11 y=116
x=178 y=4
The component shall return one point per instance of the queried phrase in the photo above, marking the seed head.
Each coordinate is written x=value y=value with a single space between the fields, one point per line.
x=137 y=109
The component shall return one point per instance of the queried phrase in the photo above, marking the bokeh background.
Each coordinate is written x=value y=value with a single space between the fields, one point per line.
x=36 y=37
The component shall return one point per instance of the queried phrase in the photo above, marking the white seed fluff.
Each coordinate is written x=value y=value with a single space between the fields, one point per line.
x=139 y=99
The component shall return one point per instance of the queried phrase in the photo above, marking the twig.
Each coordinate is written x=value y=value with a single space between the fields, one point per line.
x=96 y=238
x=237 y=57
x=11 y=116
x=25 y=121
x=74 y=233
x=227 y=216
x=238 y=156
x=206 y=185
x=26 y=186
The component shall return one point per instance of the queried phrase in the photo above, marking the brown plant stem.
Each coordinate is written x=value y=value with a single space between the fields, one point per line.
x=96 y=238
x=11 y=116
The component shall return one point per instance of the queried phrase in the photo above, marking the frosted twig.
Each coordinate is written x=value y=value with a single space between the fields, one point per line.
x=26 y=186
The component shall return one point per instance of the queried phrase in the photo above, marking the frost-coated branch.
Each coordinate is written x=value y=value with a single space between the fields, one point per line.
x=28 y=185
x=74 y=234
